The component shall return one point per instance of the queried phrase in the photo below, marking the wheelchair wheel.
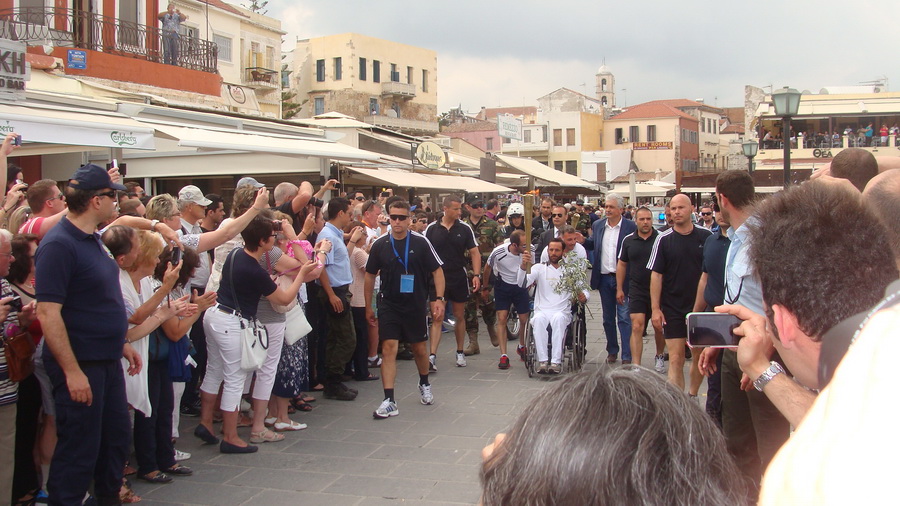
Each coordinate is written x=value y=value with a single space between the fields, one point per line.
x=512 y=324
x=579 y=334
x=530 y=351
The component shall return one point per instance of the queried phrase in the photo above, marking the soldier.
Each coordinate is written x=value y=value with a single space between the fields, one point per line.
x=579 y=219
x=488 y=236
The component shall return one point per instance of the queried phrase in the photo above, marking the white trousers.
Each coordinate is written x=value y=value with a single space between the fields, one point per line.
x=558 y=321
x=265 y=375
x=223 y=349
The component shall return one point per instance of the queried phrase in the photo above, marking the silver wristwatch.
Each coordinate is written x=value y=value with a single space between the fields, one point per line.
x=767 y=375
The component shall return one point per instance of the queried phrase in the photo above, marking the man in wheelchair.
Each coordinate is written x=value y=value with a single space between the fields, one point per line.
x=551 y=306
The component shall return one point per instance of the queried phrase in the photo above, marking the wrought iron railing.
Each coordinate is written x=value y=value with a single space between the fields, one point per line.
x=261 y=76
x=86 y=30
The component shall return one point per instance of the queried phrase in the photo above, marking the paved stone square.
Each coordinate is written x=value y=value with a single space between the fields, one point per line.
x=427 y=455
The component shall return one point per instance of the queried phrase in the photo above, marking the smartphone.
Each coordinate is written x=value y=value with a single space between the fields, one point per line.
x=17 y=140
x=16 y=303
x=176 y=256
x=116 y=165
x=713 y=330
x=385 y=194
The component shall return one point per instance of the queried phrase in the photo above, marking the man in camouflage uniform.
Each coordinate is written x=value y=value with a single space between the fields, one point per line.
x=579 y=219
x=488 y=235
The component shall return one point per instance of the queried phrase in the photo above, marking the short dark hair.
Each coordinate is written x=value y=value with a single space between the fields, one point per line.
x=449 y=199
x=12 y=170
x=800 y=248
x=23 y=264
x=856 y=165
x=337 y=205
x=390 y=201
x=214 y=199
x=78 y=200
x=562 y=244
x=190 y=260
x=737 y=185
x=40 y=192
x=129 y=207
x=399 y=204
x=131 y=185
x=119 y=240
x=643 y=208
x=490 y=204
x=258 y=230
x=559 y=451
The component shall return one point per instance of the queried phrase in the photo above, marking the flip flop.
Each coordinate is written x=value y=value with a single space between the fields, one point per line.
x=266 y=436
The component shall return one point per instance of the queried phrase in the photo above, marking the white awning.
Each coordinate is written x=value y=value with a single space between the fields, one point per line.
x=406 y=179
x=641 y=190
x=71 y=127
x=217 y=140
x=758 y=189
x=544 y=173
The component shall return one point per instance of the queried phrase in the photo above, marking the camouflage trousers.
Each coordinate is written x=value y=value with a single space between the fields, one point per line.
x=488 y=313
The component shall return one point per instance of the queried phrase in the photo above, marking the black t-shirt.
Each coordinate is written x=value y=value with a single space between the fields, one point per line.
x=714 y=253
x=452 y=244
x=387 y=259
x=679 y=258
x=251 y=282
x=635 y=252
x=288 y=209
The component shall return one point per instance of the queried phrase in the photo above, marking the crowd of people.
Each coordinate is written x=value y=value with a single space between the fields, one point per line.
x=147 y=309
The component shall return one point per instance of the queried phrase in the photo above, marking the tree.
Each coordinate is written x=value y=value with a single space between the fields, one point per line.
x=289 y=109
x=257 y=6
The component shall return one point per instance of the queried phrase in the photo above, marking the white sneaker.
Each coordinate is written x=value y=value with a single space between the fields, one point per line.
x=387 y=408
x=180 y=455
x=660 y=364
x=432 y=363
x=425 y=392
x=460 y=359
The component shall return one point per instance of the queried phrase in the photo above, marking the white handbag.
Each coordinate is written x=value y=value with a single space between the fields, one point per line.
x=296 y=325
x=254 y=338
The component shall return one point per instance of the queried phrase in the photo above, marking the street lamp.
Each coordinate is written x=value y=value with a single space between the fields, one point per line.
x=750 y=148
x=787 y=103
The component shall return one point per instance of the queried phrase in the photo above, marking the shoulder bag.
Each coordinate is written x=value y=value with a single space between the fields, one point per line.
x=254 y=338
x=19 y=352
x=296 y=325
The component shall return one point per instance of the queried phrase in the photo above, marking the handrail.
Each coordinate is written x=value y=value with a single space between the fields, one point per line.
x=87 y=30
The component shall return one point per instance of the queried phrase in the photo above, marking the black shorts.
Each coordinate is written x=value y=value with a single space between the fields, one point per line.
x=456 y=287
x=675 y=327
x=506 y=295
x=639 y=304
x=406 y=326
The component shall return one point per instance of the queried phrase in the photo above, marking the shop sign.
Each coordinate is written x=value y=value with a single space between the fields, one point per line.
x=14 y=70
x=428 y=154
x=644 y=146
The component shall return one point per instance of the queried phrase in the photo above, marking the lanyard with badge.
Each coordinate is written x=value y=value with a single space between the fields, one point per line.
x=406 y=280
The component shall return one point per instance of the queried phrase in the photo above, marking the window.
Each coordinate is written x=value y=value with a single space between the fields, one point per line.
x=255 y=57
x=319 y=105
x=395 y=75
x=424 y=81
x=527 y=136
x=544 y=133
x=689 y=165
x=409 y=75
x=224 y=44
x=557 y=136
x=572 y=167
x=338 y=70
x=489 y=144
x=376 y=71
x=270 y=57
x=603 y=84
x=373 y=106
x=603 y=101
x=558 y=165
x=506 y=140
x=362 y=69
x=651 y=133
x=320 y=71
x=570 y=137
x=619 y=136
x=634 y=134
x=702 y=125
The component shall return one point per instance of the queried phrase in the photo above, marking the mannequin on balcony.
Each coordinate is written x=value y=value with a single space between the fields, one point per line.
x=171 y=20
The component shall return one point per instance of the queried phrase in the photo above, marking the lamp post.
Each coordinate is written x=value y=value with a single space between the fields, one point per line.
x=787 y=103
x=750 y=148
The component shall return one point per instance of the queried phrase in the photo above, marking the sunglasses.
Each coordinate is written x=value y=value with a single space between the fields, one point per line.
x=361 y=199
x=705 y=214
x=557 y=215
x=60 y=197
x=399 y=217
x=476 y=206
x=111 y=194
x=422 y=220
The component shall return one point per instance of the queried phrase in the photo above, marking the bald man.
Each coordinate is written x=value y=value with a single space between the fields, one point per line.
x=676 y=262
x=880 y=196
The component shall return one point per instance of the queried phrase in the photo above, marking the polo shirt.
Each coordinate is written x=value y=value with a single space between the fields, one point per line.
x=504 y=264
x=77 y=271
x=636 y=253
x=714 y=251
x=387 y=258
x=451 y=244
x=337 y=261
x=679 y=258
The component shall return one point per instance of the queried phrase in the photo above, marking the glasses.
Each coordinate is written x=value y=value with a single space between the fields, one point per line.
x=60 y=197
x=361 y=199
x=7 y=255
x=557 y=215
x=111 y=194
x=399 y=217
x=422 y=220
x=476 y=206
x=705 y=214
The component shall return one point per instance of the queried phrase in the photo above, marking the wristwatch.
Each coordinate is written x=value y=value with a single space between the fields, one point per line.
x=153 y=224
x=439 y=299
x=767 y=375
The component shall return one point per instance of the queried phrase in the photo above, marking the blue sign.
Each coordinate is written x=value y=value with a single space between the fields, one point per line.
x=76 y=59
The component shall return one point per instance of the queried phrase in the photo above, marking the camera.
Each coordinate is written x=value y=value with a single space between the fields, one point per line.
x=276 y=226
x=317 y=202
x=17 y=140
x=715 y=330
x=16 y=303
x=176 y=255
x=25 y=189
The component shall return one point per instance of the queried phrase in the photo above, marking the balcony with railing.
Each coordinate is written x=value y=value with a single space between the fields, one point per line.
x=397 y=89
x=78 y=29
x=258 y=77
x=412 y=126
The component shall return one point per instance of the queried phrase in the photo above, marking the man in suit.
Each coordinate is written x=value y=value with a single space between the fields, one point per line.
x=605 y=243
x=558 y=221
x=542 y=222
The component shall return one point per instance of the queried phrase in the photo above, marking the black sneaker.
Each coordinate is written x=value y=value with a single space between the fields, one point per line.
x=191 y=411
x=339 y=392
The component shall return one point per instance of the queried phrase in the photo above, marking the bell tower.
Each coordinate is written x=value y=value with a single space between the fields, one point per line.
x=606 y=86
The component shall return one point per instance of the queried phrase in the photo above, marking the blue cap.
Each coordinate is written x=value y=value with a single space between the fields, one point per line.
x=92 y=177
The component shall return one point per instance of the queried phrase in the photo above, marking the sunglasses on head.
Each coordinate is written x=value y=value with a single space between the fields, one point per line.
x=399 y=217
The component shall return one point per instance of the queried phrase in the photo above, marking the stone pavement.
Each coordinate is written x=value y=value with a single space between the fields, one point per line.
x=427 y=455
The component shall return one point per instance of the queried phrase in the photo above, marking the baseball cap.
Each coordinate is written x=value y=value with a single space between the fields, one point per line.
x=579 y=202
x=92 y=177
x=191 y=193
x=249 y=180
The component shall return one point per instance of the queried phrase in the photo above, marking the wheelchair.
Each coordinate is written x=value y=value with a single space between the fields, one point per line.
x=573 y=357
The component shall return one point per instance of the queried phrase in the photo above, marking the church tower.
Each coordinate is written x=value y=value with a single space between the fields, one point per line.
x=606 y=87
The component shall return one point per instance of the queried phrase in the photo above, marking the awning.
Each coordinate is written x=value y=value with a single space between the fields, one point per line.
x=544 y=173
x=210 y=139
x=641 y=190
x=406 y=179
x=758 y=189
x=55 y=125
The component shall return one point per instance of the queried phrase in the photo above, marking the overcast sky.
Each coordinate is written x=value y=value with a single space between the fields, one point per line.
x=498 y=52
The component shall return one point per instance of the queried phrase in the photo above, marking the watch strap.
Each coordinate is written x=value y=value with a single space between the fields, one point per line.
x=774 y=370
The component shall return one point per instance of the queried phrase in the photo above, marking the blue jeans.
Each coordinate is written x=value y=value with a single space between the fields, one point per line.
x=612 y=311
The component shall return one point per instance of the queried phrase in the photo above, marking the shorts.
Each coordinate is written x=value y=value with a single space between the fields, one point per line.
x=506 y=295
x=406 y=326
x=639 y=304
x=456 y=288
x=675 y=327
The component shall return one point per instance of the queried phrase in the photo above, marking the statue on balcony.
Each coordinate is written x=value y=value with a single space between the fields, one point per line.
x=171 y=20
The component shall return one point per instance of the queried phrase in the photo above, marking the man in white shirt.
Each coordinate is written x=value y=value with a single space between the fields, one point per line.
x=550 y=308
x=503 y=263
x=570 y=239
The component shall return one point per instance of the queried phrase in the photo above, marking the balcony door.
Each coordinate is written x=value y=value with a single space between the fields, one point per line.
x=129 y=24
x=85 y=25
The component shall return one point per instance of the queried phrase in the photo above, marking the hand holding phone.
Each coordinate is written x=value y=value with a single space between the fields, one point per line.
x=713 y=330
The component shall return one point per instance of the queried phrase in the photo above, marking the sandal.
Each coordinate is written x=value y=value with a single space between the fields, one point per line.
x=308 y=398
x=265 y=436
x=179 y=470
x=299 y=405
x=127 y=495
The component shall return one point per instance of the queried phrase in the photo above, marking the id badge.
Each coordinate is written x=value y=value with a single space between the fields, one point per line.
x=406 y=283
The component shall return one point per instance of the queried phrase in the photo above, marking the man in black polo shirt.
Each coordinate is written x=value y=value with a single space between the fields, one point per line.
x=676 y=262
x=82 y=314
x=633 y=285
x=452 y=238
x=406 y=263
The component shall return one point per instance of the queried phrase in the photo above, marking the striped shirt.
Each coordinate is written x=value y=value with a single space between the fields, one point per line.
x=9 y=391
